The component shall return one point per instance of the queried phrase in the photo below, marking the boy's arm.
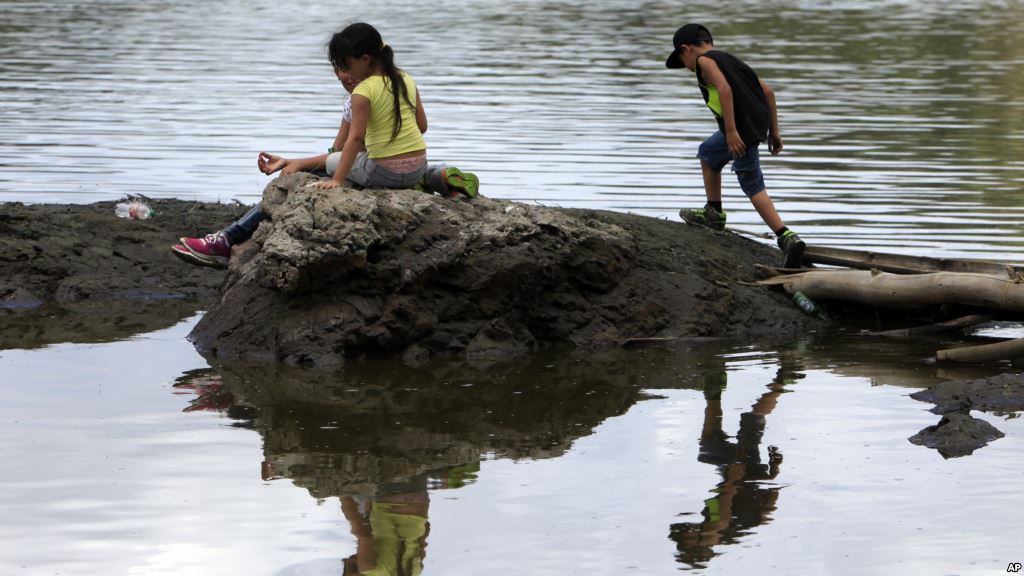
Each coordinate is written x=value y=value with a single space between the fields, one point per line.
x=774 y=136
x=353 y=144
x=339 y=140
x=710 y=71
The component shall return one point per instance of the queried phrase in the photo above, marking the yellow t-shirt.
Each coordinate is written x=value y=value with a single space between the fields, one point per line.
x=377 y=89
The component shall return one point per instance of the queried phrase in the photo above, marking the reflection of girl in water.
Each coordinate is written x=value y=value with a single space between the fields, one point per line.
x=391 y=534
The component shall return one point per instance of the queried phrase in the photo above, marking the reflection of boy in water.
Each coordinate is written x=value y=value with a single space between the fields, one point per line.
x=741 y=501
x=391 y=534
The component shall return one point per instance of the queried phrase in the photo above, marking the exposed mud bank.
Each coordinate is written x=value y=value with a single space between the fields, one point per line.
x=343 y=273
x=78 y=273
x=958 y=433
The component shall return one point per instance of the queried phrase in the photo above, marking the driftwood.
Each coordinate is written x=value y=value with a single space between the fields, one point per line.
x=947 y=326
x=902 y=281
x=640 y=342
x=903 y=264
x=1007 y=350
x=777 y=271
x=906 y=291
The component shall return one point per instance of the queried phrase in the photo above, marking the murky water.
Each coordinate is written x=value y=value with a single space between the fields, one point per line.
x=903 y=124
x=904 y=130
x=135 y=458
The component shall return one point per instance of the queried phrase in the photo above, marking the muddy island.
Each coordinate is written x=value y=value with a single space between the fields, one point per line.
x=342 y=273
x=78 y=273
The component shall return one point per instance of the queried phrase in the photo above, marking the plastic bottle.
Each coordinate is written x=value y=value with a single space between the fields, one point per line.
x=810 y=307
x=134 y=210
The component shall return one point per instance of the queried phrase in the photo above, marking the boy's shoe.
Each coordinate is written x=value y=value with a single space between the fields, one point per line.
x=465 y=183
x=706 y=216
x=212 y=250
x=793 y=247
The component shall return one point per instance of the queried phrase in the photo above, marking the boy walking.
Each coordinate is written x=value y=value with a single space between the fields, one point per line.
x=744 y=106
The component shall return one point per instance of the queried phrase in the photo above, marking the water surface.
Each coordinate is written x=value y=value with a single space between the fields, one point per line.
x=904 y=130
x=137 y=458
x=903 y=124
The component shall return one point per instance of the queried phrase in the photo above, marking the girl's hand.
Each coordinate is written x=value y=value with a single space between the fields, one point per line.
x=326 y=184
x=774 y=143
x=270 y=163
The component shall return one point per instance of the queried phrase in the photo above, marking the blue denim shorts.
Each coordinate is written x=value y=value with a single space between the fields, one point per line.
x=715 y=153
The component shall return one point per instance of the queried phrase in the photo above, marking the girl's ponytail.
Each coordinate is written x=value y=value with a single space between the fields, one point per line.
x=399 y=90
x=360 y=39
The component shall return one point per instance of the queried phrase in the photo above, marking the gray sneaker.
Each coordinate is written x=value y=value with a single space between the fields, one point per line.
x=706 y=216
x=793 y=248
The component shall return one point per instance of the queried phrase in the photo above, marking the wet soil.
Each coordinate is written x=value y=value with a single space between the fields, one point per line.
x=342 y=274
x=958 y=433
x=78 y=273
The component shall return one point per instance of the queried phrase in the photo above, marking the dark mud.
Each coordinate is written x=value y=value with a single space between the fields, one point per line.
x=77 y=273
x=958 y=433
x=348 y=274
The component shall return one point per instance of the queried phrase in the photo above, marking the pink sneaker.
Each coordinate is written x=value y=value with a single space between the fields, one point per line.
x=213 y=250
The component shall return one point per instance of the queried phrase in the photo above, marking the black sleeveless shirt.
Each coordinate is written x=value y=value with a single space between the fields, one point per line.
x=749 y=104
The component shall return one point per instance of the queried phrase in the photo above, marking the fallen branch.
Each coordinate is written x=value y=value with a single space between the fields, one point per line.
x=777 y=271
x=947 y=326
x=906 y=291
x=639 y=342
x=985 y=353
x=904 y=264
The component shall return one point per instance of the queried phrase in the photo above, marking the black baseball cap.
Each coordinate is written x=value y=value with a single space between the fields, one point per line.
x=690 y=34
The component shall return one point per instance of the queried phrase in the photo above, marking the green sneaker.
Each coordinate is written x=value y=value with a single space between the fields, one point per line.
x=706 y=216
x=793 y=247
x=465 y=183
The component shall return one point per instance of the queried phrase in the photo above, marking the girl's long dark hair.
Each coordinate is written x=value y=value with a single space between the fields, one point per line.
x=360 y=39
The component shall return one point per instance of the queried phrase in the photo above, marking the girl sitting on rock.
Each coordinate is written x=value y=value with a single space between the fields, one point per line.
x=381 y=139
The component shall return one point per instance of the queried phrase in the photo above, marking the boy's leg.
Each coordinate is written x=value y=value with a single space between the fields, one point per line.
x=361 y=172
x=766 y=209
x=714 y=155
x=215 y=249
x=748 y=172
x=242 y=229
x=789 y=242
x=712 y=183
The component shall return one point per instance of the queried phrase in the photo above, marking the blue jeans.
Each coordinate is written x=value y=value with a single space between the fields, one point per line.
x=715 y=153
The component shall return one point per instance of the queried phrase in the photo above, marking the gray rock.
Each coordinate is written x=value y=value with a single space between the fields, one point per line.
x=957 y=435
x=346 y=273
x=1002 y=393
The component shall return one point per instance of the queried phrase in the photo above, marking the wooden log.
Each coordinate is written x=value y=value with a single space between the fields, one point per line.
x=1007 y=350
x=640 y=342
x=947 y=326
x=776 y=271
x=904 y=264
x=906 y=291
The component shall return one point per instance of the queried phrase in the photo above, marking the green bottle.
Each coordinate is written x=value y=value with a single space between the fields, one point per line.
x=810 y=307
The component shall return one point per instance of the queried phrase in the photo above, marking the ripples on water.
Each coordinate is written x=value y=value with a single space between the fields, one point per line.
x=903 y=124
x=738 y=459
x=904 y=130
